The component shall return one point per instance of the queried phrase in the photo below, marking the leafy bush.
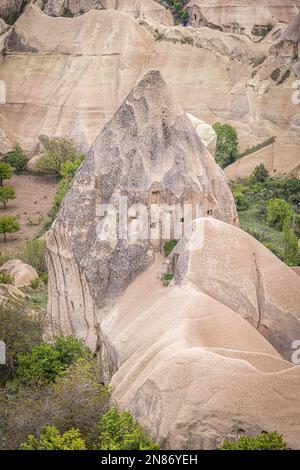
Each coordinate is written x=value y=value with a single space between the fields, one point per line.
x=277 y=212
x=8 y=224
x=119 y=431
x=263 y=441
x=260 y=174
x=7 y=193
x=6 y=278
x=34 y=283
x=69 y=168
x=227 y=144
x=290 y=244
x=58 y=151
x=75 y=400
x=6 y=172
x=168 y=246
x=46 y=362
x=33 y=254
x=51 y=439
x=168 y=277
x=240 y=201
x=16 y=158
x=274 y=248
x=21 y=331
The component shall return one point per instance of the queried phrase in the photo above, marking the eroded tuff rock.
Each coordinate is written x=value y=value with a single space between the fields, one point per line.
x=189 y=360
x=82 y=68
x=9 y=9
x=149 y=10
x=150 y=153
x=250 y=17
x=22 y=273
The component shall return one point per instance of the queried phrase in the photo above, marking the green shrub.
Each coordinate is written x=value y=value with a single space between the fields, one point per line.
x=51 y=439
x=168 y=246
x=290 y=244
x=263 y=441
x=260 y=174
x=34 y=283
x=7 y=193
x=69 y=168
x=21 y=331
x=6 y=172
x=16 y=158
x=46 y=362
x=58 y=151
x=278 y=211
x=119 y=431
x=6 y=278
x=168 y=277
x=33 y=254
x=240 y=201
x=8 y=224
x=227 y=144
x=274 y=248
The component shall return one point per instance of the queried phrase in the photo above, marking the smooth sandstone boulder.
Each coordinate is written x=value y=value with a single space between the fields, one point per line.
x=193 y=370
x=22 y=273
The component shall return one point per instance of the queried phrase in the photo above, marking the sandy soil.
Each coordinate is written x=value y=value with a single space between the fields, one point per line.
x=34 y=199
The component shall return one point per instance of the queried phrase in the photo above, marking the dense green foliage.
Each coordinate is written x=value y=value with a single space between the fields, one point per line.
x=21 y=332
x=46 y=362
x=16 y=158
x=51 y=439
x=263 y=441
x=227 y=144
x=260 y=174
x=7 y=193
x=168 y=246
x=8 y=224
x=33 y=254
x=58 y=151
x=6 y=172
x=6 y=278
x=263 y=208
x=119 y=431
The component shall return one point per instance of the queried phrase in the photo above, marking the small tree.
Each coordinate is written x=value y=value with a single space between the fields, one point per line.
x=227 y=144
x=6 y=172
x=16 y=158
x=51 y=439
x=277 y=212
x=58 y=151
x=260 y=174
x=8 y=224
x=7 y=193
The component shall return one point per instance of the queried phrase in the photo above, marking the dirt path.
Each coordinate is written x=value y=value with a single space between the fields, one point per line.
x=34 y=199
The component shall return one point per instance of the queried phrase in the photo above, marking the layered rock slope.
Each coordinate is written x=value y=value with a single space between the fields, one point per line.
x=82 y=68
x=199 y=360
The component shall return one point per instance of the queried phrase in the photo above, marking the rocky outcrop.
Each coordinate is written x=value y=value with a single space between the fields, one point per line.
x=10 y=9
x=80 y=83
x=149 y=153
x=289 y=42
x=148 y=10
x=206 y=133
x=191 y=360
x=22 y=273
x=253 y=18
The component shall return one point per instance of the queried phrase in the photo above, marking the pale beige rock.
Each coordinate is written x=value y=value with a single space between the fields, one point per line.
x=206 y=133
x=10 y=293
x=10 y=8
x=22 y=273
x=240 y=16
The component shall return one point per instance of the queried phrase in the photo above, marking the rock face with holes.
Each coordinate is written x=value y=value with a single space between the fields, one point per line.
x=149 y=153
x=253 y=18
x=9 y=9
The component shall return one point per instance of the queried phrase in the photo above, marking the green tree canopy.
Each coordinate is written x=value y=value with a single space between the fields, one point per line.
x=6 y=172
x=7 y=193
x=263 y=441
x=277 y=212
x=51 y=439
x=227 y=144
x=16 y=158
x=260 y=174
x=58 y=151
x=8 y=224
